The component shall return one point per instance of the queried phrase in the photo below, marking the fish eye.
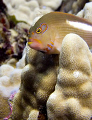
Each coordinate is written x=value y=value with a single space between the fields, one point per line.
x=39 y=30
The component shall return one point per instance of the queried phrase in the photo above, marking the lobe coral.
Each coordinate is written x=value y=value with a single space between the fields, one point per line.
x=72 y=98
x=47 y=94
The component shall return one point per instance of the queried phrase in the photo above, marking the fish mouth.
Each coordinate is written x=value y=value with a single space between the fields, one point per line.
x=31 y=40
x=35 y=43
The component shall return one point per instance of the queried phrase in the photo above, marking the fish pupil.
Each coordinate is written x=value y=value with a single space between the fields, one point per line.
x=38 y=30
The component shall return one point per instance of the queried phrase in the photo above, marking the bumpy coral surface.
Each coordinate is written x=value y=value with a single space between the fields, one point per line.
x=28 y=10
x=54 y=4
x=38 y=80
x=72 y=98
x=86 y=12
x=9 y=79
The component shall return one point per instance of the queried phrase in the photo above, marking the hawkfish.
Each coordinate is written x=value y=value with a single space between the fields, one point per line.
x=48 y=32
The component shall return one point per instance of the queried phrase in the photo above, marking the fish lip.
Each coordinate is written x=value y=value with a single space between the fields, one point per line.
x=34 y=40
x=35 y=43
x=30 y=41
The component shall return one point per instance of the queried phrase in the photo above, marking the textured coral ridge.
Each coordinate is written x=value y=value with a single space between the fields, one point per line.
x=38 y=81
x=72 y=98
x=27 y=10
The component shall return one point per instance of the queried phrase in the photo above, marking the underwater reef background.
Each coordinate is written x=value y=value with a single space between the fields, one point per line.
x=35 y=85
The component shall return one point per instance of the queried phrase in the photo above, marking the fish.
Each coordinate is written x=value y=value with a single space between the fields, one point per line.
x=47 y=34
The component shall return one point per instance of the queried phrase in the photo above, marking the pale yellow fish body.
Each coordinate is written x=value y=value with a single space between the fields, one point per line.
x=48 y=32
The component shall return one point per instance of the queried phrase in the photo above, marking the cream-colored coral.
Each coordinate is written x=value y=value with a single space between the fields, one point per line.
x=26 y=10
x=33 y=115
x=86 y=12
x=9 y=79
x=54 y=4
x=72 y=98
x=5 y=70
x=38 y=81
x=21 y=63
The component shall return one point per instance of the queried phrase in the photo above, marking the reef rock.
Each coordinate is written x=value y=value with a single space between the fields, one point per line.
x=72 y=98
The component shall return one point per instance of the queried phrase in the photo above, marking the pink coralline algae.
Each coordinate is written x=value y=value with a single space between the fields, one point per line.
x=10 y=101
